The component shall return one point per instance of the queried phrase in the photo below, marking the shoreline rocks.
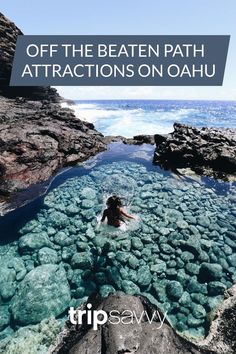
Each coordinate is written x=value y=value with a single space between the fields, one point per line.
x=37 y=139
x=206 y=151
x=37 y=136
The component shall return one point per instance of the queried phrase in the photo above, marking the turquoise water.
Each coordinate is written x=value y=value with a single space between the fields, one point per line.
x=179 y=252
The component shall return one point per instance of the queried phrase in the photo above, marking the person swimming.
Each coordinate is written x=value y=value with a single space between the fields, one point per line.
x=114 y=213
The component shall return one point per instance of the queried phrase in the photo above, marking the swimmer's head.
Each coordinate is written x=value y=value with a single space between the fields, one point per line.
x=114 y=202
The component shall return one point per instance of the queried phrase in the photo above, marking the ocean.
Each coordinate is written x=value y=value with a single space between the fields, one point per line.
x=133 y=117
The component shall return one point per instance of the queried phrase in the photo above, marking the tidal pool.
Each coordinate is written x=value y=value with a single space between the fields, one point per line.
x=179 y=252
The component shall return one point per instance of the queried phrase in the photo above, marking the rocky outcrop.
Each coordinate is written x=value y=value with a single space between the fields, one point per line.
x=136 y=140
x=134 y=336
x=37 y=136
x=143 y=337
x=8 y=37
x=207 y=151
x=8 y=33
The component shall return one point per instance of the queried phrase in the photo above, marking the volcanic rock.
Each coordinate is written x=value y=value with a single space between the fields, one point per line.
x=37 y=136
x=207 y=151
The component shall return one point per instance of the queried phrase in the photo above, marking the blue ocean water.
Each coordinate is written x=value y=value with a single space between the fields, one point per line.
x=133 y=117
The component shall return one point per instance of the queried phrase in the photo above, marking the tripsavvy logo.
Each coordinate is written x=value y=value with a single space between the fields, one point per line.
x=100 y=317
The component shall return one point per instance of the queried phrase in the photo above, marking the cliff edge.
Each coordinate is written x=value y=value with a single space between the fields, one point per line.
x=37 y=135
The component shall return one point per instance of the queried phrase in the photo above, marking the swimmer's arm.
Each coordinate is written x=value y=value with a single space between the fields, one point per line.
x=126 y=215
x=103 y=216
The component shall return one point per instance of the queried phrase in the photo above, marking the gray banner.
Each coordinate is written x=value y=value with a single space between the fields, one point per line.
x=120 y=60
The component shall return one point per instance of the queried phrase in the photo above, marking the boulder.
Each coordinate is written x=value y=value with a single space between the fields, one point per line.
x=44 y=292
x=32 y=242
x=144 y=276
x=82 y=260
x=47 y=256
x=174 y=290
x=210 y=272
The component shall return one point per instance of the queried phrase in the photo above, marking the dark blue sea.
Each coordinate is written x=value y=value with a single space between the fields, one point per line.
x=133 y=117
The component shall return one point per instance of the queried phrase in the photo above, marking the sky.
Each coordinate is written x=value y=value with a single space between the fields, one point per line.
x=156 y=17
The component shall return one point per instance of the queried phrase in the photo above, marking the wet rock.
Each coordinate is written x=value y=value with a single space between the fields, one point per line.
x=144 y=276
x=88 y=193
x=159 y=291
x=216 y=288
x=82 y=260
x=62 y=239
x=210 y=271
x=194 y=322
x=207 y=151
x=192 y=268
x=182 y=224
x=133 y=262
x=174 y=290
x=195 y=287
x=57 y=219
x=199 y=311
x=44 y=292
x=47 y=256
x=31 y=242
x=159 y=267
x=4 y=318
x=232 y=260
x=7 y=290
x=18 y=265
x=105 y=290
x=30 y=339
x=130 y=288
x=137 y=243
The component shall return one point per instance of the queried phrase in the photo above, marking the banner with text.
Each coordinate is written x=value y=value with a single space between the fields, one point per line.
x=119 y=60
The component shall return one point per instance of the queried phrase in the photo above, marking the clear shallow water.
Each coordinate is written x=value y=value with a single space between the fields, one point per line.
x=180 y=252
x=133 y=117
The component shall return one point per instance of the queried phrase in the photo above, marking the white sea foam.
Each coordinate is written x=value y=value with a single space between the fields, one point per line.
x=111 y=119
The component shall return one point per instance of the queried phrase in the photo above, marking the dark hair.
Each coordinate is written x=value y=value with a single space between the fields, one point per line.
x=114 y=202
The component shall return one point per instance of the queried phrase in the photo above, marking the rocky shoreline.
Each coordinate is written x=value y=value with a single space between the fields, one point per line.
x=206 y=151
x=37 y=136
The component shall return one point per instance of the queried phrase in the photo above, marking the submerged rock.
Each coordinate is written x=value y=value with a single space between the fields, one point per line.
x=4 y=318
x=210 y=271
x=47 y=256
x=31 y=242
x=82 y=260
x=31 y=339
x=174 y=290
x=44 y=292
